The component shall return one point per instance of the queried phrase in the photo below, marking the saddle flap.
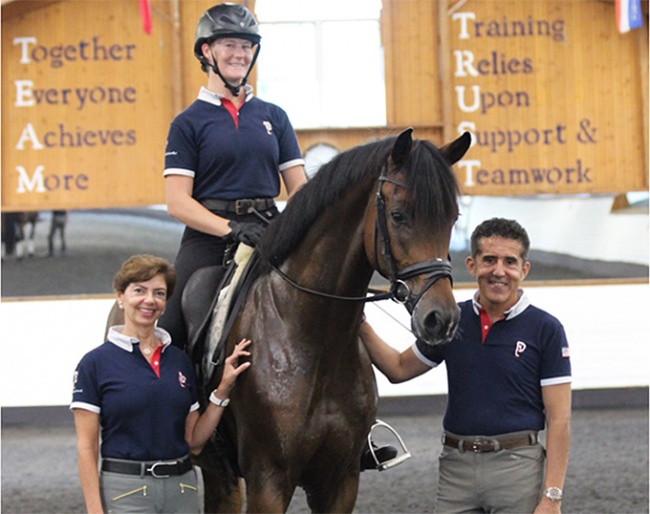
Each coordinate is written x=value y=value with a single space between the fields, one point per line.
x=198 y=301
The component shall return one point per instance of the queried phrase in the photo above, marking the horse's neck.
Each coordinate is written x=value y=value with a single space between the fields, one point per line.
x=332 y=257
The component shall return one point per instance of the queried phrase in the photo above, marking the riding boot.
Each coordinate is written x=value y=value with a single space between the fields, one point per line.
x=382 y=453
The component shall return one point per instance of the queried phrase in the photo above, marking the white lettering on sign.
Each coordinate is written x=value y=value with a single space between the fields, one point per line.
x=28 y=96
x=63 y=137
x=67 y=135
x=57 y=55
x=477 y=100
x=39 y=183
x=29 y=134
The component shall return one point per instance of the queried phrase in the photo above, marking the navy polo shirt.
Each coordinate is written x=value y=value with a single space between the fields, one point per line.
x=495 y=386
x=226 y=161
x=142 y=416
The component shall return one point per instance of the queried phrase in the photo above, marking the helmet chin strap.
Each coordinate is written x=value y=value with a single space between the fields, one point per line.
x=234 y=89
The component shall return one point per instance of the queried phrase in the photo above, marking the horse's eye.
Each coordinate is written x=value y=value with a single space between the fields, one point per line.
x=398 y=217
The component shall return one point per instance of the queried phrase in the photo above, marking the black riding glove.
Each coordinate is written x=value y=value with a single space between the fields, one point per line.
x=247 y=233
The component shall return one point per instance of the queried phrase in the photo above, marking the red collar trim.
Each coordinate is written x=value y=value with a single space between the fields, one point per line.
x=155 y=360
x=232 y=109
x=486 y=325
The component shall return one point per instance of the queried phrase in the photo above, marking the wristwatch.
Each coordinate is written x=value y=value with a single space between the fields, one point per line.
x=224 y=403
x=553 y=493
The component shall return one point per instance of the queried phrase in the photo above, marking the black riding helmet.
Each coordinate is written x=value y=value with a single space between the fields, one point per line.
x=226 y=20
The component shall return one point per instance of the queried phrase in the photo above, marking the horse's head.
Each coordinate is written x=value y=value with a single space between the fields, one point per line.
x=408 y=229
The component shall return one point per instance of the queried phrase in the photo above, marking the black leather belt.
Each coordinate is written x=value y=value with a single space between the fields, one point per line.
x=241 y=206
x=156 y=469
x=489 y=444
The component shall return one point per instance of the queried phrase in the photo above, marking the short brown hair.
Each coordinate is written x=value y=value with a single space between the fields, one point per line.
x=500 y=227
x=143 y=267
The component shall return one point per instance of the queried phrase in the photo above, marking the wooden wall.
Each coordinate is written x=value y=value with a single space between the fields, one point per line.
x=90 y=131
x=559 y=107
x=86 y=105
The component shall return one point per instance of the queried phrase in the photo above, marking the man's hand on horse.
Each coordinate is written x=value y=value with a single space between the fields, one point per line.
x=233 y=368
x=247 y=233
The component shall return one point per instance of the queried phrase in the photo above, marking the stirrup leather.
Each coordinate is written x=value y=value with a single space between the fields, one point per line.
x=405 y=455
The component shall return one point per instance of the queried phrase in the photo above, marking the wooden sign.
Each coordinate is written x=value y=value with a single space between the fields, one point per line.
x=552 y=95
x=86 y=107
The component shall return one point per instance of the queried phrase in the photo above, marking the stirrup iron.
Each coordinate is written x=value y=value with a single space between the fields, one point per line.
x=405 y=455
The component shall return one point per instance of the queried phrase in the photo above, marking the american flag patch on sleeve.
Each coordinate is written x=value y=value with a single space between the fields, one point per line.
x=565 y=351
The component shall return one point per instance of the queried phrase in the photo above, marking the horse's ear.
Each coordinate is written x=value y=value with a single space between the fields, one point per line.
x=454 y=151
x=402 y=147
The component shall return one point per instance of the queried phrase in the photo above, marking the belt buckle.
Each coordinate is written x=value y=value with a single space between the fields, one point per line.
x=479 y=445
x=244 y=206
x=152 y=469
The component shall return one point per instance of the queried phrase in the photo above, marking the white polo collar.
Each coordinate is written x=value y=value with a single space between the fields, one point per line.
x=116 y=337
x=215 y=98
x=519 y=307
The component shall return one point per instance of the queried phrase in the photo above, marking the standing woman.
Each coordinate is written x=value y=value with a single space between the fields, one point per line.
x=140 y=392
x=225 y=153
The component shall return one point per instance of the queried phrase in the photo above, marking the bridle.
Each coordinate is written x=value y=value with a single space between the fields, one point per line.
x=433 y=269
x=399 y=291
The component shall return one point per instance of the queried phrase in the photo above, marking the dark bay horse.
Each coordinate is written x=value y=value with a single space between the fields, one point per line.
x=300 y=415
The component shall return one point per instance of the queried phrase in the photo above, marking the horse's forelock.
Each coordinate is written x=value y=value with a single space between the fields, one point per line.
x=428 y=173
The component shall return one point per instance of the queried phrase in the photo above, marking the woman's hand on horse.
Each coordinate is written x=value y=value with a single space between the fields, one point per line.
x=233 y=368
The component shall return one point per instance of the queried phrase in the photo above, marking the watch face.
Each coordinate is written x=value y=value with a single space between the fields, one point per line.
x=553 y=493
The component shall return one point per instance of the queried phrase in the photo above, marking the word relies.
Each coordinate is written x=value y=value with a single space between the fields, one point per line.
x=28 y=96
x=475 y=175
x=63 y=138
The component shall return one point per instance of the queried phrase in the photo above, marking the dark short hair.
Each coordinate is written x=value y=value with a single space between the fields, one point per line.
x=143 y=267
x=500 y=227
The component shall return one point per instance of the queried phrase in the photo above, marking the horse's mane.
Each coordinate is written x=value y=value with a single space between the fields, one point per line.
x=425 y=172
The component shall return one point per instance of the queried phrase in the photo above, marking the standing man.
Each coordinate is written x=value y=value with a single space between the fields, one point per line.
x=57 y=224
x=509 y=376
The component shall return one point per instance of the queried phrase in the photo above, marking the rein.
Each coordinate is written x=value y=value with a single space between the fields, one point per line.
x=399 y=291
x=374 y=298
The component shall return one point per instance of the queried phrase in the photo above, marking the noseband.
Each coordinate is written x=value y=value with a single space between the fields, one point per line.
x=399 y=291
x=433 y=269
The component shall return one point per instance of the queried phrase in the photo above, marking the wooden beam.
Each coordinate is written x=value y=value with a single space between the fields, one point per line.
x=446 y=85
x=12 y=8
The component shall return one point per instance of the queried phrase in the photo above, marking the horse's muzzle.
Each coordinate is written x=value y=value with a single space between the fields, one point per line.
x=437 y=326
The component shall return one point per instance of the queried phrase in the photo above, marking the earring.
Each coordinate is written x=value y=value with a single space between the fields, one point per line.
x=119 y=304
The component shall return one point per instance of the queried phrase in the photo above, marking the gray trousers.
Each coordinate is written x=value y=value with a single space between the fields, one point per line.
x=131 y=493
x=505 y=481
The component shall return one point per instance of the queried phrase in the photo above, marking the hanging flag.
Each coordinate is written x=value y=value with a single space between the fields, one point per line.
x=145 y=14
x=628 y=15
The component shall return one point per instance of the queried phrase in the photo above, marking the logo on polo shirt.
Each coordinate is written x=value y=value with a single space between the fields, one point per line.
x=520 y=348
x=268 y=127
x=182 y=379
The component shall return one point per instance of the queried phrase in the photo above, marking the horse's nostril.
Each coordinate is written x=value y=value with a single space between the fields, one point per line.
x=434 y=325
x=439 y=326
